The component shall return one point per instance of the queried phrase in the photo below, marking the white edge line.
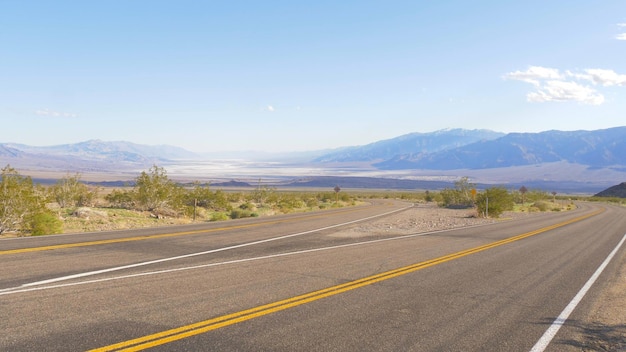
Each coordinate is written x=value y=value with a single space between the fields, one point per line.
x=547 y=337
x=130 y=266
x=21 y=289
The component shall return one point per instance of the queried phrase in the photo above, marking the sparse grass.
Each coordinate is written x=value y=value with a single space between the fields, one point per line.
x=544 y=205
x=76 y=220
x=106 y=219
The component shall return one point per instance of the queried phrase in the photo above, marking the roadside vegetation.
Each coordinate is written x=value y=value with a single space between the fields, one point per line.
x=153 y=199
x=493 y=201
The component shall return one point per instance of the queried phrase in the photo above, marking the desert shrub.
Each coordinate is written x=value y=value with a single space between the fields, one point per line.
x=262 y=194
x=155 y=191
x=541 y=205
x=191 y=212
x=201 y=196
x=289 y=202
x=247 y=206
x=326 y=197
x=240 y=214
x=69 y=192
x=219 y=216
x=494 y=201
x=344 y=197
x=234 y=197
x=165 y=212
x=45 y=224
x=536 y=195
x=20 y=201
x=121 y=199
x=220 y=201
x=460 y=196
x=311 y=202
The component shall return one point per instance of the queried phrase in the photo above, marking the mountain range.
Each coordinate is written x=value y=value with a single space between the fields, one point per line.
x=595 y=158
x=123 y=151
x=89 y=156
x=412 y=144
x=599 y=148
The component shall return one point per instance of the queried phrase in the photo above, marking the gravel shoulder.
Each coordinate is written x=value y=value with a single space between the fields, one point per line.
x=424 y=218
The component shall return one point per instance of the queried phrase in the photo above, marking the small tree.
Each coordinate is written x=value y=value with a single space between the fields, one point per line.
x=200 y=195
x=69 y=192
x=262 y=194
x=523 y=190
x=460 y=196
x=155 y=191
x=494 y=201
x=220 y=202
x=20 y=201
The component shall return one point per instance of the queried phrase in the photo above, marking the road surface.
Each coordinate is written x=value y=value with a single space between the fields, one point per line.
x=293 y=283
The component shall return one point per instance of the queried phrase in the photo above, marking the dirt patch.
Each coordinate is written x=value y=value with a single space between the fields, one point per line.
x=422 y=218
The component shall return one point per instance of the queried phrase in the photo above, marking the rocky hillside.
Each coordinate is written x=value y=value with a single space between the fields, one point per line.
x=618 y=191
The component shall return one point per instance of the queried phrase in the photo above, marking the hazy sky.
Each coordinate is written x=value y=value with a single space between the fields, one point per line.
x=305 y=75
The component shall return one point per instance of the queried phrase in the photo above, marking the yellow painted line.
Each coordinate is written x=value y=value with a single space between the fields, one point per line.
x=149 y=237
x=182 y=332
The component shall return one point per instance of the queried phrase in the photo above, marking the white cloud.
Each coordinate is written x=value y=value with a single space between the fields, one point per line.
x=47 y=112
x=270 y=108
x=602 y=77
x=561 y=91
x=551 y=85
x=534 y=75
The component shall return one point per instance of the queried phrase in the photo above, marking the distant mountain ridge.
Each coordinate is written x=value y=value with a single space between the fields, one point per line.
x=92 y=156
x=119 y=150
x=599 y=148
x=557 y=159
x=412 y=145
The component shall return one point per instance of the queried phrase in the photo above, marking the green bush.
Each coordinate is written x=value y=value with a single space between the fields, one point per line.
x=45 y=224
x=219 y=216
x=460 y=196
x=121 y=199
x=494 y=201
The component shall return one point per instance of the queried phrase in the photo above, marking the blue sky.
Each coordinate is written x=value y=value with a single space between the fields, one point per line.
x=305 y=75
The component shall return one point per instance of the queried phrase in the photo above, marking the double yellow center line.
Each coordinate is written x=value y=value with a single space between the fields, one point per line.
x=168 y=336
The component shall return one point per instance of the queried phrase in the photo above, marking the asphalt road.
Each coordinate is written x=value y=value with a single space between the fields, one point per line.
x=289 y=283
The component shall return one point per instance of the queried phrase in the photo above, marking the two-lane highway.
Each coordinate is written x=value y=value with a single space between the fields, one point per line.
x=36 y=259
x=288 y=283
